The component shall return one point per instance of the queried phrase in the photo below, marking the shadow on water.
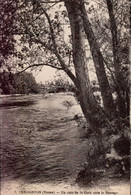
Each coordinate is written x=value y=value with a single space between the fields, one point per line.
x=18 y=103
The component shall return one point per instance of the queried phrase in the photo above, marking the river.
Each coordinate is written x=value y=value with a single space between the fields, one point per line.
x=40 y=141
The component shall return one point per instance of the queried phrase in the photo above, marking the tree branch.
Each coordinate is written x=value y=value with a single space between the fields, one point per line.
x=37 y=65
x=51 y=29
x=53 y=49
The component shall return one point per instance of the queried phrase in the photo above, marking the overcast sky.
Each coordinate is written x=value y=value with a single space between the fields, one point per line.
x=47 y=74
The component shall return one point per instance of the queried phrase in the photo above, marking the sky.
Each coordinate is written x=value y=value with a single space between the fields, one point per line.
x=45 y=74
x=48 y=74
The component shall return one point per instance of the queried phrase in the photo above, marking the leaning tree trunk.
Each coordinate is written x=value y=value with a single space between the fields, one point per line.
x=98 y=62
x=86 y=98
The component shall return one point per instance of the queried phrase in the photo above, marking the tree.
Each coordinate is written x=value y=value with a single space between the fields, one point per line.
x=111 y=33
x=87 y=101
x=41 y=43
x=23 y=83
x=116 y=45
x=98 y=62
x=7 y=30
x=7 y=82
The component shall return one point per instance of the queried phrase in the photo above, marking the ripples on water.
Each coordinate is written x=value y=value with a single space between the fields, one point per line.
x=39 y=141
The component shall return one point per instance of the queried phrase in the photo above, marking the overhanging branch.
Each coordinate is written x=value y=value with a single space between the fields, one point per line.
x=38 y=65
x=52 y=48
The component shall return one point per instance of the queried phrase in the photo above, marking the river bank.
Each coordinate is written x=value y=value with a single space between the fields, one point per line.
x=43 y=147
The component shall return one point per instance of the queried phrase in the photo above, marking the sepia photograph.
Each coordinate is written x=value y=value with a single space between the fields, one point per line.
x=65 y=97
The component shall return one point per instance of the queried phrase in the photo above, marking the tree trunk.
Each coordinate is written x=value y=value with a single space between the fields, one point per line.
x=98 y=62
x=86 y=98
x=117 y=65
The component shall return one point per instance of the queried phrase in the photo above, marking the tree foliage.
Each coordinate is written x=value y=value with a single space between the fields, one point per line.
x=7 y=30
x=59 y=85
x=69 y=36
x=23 y=83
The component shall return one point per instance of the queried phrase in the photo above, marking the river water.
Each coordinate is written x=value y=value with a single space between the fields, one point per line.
x=40 y=141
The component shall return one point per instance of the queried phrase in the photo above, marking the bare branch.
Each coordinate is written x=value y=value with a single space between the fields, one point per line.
x=38 y=65
x=51 y=29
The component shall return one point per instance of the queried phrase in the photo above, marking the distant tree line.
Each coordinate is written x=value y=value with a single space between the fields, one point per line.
x=23 y=83
x=59 y=85
x=97 y=38
x=63 y=85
